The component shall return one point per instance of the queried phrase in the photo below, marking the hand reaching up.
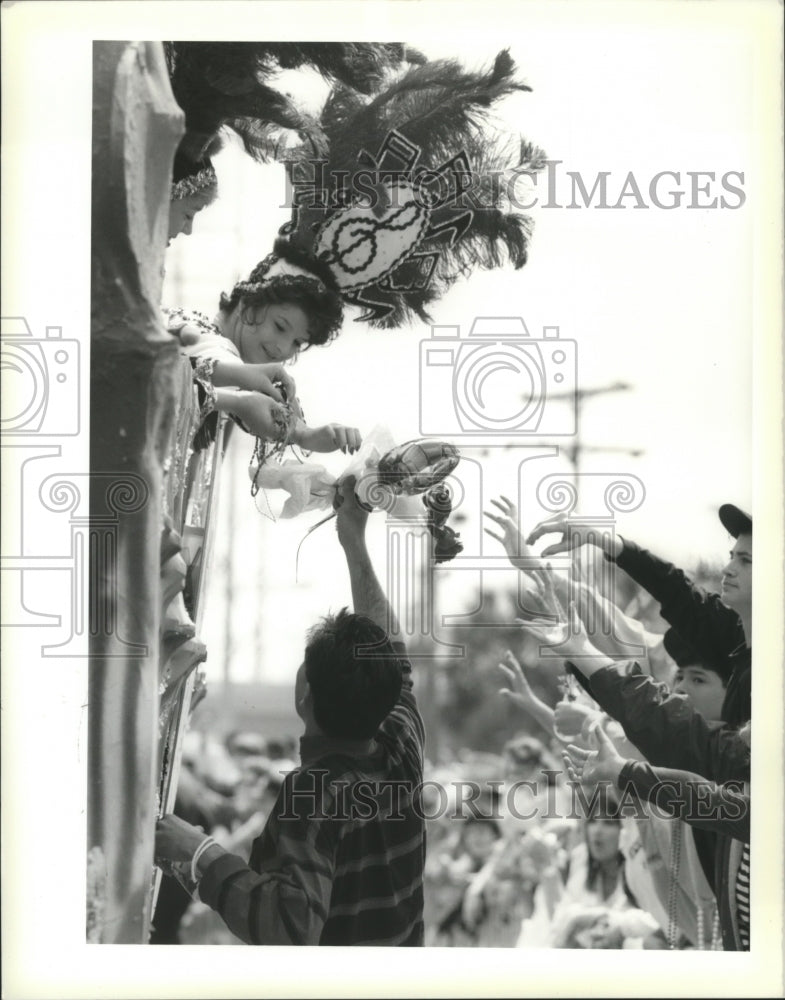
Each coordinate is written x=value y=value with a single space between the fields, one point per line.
x=572 y=536
x=590 y=766
x=570 y=717
x=566 y=632
x=510 y=534
x=519 y=692
x=351 y=516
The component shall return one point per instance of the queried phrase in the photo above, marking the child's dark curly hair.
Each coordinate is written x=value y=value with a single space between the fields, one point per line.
x=317 y=296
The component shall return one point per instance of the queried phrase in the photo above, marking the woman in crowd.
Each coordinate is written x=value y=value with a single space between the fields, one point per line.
x=594 y=879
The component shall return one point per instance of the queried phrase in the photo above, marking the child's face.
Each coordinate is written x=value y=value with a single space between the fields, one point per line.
x=703 y=689
x=268 y=334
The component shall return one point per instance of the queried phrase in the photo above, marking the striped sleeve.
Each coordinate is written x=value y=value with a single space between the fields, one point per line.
x=404 y=723
x=743 y=898
x=285 y=897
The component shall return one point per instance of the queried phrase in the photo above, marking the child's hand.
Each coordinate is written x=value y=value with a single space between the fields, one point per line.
x=331 y=437
x=257 y=378
x=263 y=417
x=260 y=378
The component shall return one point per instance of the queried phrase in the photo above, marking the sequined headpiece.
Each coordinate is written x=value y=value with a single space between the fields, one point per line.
x=190 y=177
x=197 y=183
x=416 y=192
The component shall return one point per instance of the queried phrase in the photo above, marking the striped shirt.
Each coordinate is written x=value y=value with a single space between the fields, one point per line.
x=340 y=860
x=743 y=898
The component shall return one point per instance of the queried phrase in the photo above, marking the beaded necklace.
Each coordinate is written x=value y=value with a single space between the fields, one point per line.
x=673 y=930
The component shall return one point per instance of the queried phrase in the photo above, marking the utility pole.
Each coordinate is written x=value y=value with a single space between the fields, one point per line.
x=575 y=451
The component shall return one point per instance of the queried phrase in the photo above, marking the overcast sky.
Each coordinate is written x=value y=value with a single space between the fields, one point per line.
x=666 y=300
x=657 y=298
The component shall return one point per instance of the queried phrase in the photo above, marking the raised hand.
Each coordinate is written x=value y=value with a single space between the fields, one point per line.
x=510 y=534
x=351 y=516
x=567 y=632
x=572 y=536
x=602 y=764
x=519 y=692
x=613 y=632
x=569 y=718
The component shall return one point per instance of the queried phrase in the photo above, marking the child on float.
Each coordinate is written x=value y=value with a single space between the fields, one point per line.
x=239 y=357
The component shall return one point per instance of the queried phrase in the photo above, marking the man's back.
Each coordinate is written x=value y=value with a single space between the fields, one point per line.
x=341 y=857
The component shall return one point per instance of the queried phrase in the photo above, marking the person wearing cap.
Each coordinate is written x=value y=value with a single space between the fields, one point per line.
x=717 y=626
x=671 y=734
x=703 y=681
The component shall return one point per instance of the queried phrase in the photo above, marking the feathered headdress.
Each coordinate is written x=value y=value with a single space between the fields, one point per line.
x=230 y=85
x=415 y=191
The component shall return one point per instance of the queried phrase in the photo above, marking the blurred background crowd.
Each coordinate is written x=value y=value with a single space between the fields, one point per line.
x=512 y=859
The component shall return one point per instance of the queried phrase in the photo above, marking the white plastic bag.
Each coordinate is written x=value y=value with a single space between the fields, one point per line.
x=310 y=486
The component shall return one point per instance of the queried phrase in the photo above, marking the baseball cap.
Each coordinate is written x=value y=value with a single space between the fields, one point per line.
x=684 y=654
x=735 y=521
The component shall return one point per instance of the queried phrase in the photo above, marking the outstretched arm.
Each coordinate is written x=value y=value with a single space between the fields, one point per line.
x=700 y=617
x=521 y=694
x=368 y=597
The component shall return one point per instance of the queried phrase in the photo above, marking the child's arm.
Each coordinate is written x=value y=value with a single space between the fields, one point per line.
x=258 y=414
x=218 y=362
x=255 y=378
x=330 y=437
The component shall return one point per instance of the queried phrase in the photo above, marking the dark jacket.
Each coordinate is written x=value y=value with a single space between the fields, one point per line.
x=671 y=734
x=690 y=797
x=713 y=629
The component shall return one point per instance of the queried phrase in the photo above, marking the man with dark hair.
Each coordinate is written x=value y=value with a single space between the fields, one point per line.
x=340 y=860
